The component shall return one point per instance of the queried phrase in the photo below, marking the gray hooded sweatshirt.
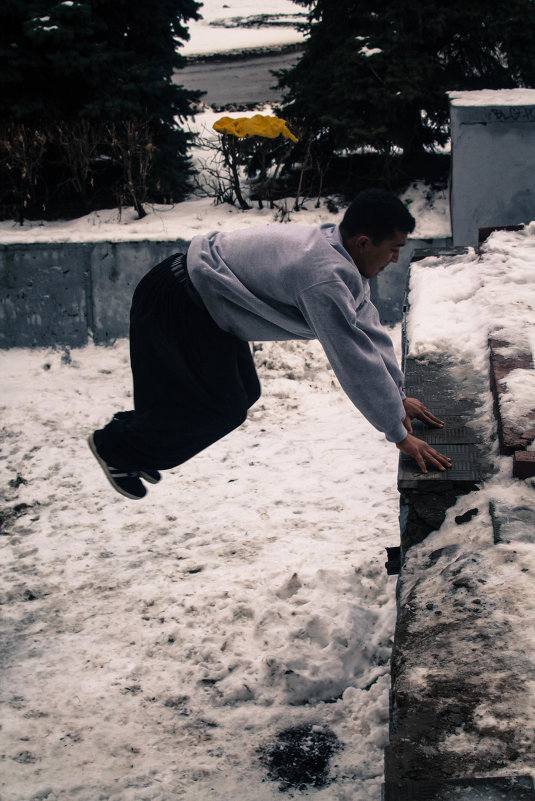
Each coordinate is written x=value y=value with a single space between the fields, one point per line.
x=281 y=282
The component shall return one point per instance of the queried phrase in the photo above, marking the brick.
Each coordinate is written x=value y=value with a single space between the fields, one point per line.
x=524 y=464
x=511 y=438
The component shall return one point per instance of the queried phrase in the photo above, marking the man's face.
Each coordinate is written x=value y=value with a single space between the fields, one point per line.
x=371 y=258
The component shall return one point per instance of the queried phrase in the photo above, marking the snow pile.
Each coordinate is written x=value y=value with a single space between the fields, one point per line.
x=493 y=97
x=518 y=402
x=458 y=302
x=152 y=649
x=182 y=221
x=430 y=207
x=471 y=298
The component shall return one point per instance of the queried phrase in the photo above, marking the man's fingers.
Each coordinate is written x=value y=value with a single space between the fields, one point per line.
x=428 y=417
x=422 y=452
x=415 y=408
x=436 y=462
x=438 y=459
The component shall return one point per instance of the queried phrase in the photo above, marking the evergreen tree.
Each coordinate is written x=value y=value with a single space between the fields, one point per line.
x=377 y=74
x=107 y=63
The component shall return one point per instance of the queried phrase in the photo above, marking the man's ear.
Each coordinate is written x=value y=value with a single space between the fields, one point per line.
x=360 y=241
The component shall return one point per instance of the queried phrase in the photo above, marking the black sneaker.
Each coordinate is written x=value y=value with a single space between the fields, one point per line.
x=127 y=483
x=152 y=476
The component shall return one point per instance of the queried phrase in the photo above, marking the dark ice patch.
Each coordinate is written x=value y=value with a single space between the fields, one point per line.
x=299 y=756
x=460 y=519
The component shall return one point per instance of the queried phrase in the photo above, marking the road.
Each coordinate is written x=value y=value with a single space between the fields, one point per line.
x=246 y=80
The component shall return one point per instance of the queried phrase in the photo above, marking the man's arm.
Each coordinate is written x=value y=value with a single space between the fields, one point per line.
x=419 y=450
x=361 y=368
x=370 y=321
x=329 y=308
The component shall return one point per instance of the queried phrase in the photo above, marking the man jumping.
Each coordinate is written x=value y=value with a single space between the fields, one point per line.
x=193 y=316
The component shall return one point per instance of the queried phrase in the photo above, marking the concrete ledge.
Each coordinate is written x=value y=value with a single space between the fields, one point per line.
x=461 y=698
x=461 y=695
x=513 y=788
x=65 y=293
x=68 y=292
x=44 y=295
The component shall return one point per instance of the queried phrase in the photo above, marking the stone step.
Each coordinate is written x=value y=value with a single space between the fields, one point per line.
x=510 y=788
x=466 y=470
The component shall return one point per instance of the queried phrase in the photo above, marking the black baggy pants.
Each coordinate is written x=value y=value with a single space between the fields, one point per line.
x=193 y=382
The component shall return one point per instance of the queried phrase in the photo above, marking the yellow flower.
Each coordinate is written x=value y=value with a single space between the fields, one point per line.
x=259 y=125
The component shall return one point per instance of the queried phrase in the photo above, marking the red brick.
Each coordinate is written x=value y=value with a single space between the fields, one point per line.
x=511 y=438
x=524 y=464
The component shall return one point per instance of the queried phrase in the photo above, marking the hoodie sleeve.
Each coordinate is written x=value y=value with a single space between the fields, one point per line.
x=360 y=356
x=370 y=322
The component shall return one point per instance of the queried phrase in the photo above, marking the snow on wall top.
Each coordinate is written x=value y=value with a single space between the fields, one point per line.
x=493 y=97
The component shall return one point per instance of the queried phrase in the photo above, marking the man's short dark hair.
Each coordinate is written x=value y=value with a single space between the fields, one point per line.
x=377 y=213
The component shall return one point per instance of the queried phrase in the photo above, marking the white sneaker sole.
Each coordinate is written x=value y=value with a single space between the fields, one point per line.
x=148 y=478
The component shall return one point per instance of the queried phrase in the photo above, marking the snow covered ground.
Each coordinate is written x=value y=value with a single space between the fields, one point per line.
x=156 y=650
x=150 y=649
x=221 y=27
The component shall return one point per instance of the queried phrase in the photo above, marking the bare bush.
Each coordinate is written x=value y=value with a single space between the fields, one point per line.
x=21 y=160
x=131 y=146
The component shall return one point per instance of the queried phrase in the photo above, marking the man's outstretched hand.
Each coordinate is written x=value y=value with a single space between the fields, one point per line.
x=422 y=453
x=417 y=448
x=416 y=409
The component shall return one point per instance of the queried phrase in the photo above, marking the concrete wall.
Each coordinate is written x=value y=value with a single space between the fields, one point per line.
x=65 y=293
x=493 y=161
x=388 y=289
